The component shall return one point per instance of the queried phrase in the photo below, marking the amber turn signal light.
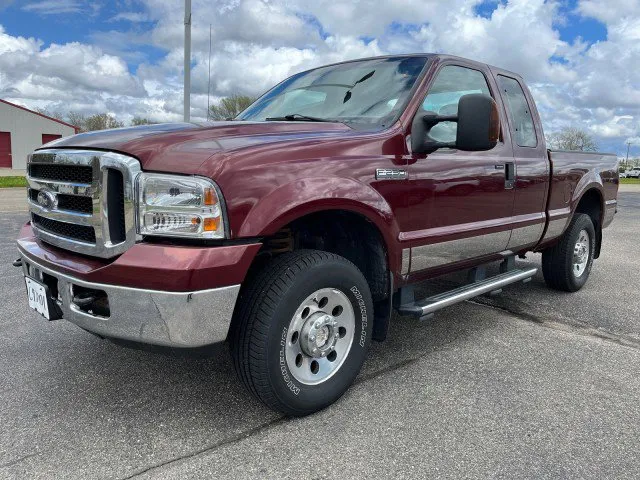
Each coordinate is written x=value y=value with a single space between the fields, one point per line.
x=210 y=197
x=211 y=224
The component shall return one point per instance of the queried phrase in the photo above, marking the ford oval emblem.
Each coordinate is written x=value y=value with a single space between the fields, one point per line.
x=46 y=199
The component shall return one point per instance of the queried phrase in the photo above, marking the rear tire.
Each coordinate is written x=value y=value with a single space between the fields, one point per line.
x=301 y=331
x=566 y=266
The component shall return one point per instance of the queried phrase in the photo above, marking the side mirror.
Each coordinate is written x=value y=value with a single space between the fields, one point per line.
x=478 y=126
x=478 y=123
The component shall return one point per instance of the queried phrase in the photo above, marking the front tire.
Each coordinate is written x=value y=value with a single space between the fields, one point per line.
x=567 y=265
x=301 y=331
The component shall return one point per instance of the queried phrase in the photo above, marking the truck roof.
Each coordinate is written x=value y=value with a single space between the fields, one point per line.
x=439 y=56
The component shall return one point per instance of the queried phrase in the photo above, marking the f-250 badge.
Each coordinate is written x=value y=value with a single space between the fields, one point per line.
x=391 y=174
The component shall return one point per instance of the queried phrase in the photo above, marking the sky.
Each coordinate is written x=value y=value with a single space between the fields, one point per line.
x=125 y=57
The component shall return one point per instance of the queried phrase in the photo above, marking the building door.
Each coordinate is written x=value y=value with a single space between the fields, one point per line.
x=5 y=150
x=49 y=137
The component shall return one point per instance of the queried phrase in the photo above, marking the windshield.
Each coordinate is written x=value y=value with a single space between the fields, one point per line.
x=368 y=93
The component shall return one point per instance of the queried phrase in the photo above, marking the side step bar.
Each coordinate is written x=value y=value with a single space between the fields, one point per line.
x=428 y=306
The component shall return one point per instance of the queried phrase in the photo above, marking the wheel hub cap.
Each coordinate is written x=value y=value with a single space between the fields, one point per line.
x=319 y=335
x=581 y=253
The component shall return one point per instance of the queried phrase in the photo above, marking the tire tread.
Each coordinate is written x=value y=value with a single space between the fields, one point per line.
x=250 y=327
x=555 y=270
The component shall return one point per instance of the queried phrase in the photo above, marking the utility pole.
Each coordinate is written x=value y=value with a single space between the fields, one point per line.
x=626 y=163
x=209 y=83
x=187 y=60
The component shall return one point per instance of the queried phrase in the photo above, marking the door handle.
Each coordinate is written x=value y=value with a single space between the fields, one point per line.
x=509 y=175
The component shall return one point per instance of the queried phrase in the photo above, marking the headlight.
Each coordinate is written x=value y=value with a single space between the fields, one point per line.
x=179 y=206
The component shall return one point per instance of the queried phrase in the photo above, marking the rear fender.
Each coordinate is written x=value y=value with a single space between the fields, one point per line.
x=590 y=181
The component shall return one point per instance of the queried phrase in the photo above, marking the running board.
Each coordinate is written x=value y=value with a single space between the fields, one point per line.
x=426 y=307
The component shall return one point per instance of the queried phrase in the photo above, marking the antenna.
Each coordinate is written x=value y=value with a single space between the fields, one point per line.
x=209 y=84
x=187 y=60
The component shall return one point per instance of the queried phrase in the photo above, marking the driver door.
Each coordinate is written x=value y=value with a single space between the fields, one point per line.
x=461 y=202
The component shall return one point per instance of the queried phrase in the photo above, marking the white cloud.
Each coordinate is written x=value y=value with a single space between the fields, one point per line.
x=54 y=7
x=608 y=11
x=73 y=76
x=257 y=43
x=133 y=17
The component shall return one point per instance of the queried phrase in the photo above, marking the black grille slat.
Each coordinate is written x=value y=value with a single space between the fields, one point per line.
x=75 y=204
x=61 y=173
x=115 y=206
x=80 y=233
x=72 y=203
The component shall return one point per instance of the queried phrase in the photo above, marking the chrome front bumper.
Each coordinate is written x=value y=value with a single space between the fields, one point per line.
x=176 y=319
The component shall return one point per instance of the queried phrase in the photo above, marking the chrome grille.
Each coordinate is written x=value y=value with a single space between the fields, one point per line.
x=82 y=200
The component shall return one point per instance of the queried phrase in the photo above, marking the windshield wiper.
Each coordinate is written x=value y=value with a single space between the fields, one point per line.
x=296 y=117
x=347 y=96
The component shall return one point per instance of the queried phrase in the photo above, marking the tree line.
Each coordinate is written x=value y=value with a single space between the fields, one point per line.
x=90 y=123
x=225 y=109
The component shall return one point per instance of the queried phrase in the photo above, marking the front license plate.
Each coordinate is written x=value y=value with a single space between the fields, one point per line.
x=37 y=297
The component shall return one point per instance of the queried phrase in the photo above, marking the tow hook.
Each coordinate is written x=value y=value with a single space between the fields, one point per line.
x=83 y=299
x=17 y=262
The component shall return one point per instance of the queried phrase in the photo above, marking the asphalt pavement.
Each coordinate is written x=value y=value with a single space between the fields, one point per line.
x=529 y=384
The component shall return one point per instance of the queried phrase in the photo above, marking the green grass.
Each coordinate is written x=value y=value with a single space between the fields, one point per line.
x=7 y=182
x=632 y=181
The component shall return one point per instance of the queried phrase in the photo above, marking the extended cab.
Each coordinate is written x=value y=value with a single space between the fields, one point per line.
x=294 y=231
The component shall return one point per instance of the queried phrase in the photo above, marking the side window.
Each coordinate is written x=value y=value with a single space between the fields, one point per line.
x=451 y=83
x=519 y=111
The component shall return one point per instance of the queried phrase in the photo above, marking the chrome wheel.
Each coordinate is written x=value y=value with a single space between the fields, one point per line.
x=581 y=252
x=320 y=336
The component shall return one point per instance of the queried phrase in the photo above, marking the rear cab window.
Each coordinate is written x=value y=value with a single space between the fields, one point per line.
x=522 y=126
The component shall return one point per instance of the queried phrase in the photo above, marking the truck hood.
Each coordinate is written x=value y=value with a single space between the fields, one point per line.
x=184 y=147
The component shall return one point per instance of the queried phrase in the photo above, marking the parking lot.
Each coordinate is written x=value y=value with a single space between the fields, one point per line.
x=530 y=384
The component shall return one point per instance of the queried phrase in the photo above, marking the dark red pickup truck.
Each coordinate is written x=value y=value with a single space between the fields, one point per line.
x=294 y=230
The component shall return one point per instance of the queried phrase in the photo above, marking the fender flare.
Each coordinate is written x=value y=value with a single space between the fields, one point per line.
x=305 y=196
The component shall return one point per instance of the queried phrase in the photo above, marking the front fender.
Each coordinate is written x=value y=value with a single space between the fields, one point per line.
x=309 y=195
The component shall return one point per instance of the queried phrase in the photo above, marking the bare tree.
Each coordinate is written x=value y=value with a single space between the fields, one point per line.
x=52 y=114
x=98 y=121
x=136 y=121
x=572 y=139
x=102 y=121
x=229 y=107
x=78 y=119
